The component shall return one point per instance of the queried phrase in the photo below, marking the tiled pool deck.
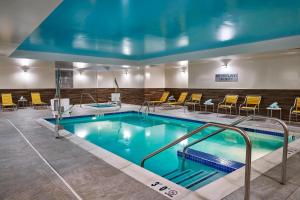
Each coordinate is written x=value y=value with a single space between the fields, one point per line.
x=25 y=175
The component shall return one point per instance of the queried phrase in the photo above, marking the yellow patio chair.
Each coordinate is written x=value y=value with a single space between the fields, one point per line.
x=251 y=103
x=36 y=100
x=194 y=100
x=228 y=102
x=295 y=109
x=180 y=101
x=163 y=99
x=7 y=101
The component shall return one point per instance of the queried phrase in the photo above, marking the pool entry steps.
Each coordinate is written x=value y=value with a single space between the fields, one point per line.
x=193 y=179
x=222 y=128
x=210 y=160
x=189 y=178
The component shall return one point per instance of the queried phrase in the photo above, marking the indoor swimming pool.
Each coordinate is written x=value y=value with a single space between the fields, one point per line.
x=133 y=136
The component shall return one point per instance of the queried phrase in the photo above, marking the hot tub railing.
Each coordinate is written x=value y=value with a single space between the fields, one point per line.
x=87 y=94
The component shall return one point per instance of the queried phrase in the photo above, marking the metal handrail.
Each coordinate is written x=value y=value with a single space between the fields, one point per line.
x=143 y=104
x=285 y=143
x=242 y=132
x=89 y=95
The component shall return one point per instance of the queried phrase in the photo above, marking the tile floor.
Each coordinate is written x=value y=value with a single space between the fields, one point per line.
x=24 y=175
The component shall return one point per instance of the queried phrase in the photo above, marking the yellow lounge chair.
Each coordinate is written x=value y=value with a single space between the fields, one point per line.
x=194 y=100
x=180 y=101
x=7 y=101
x=228 y=102
x=295 y=109
x=251 y=103
x=162 y=99
x=36 y=100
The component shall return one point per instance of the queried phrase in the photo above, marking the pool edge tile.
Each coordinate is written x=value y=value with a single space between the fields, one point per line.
x=148 y=178
x=235 y=180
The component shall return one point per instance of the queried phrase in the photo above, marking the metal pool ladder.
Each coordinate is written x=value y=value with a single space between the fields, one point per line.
x=89 y=95
x=146 y=103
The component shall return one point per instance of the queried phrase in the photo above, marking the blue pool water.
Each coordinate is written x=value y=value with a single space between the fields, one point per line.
x=101 y=105
x=133 y=136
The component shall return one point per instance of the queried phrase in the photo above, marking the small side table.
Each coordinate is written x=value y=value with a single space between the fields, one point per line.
x=270 y=111
x=187 y=104
x=22 y=103
x=209 y=104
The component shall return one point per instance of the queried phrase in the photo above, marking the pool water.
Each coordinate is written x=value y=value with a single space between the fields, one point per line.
x=102 y=105
x=134 y=136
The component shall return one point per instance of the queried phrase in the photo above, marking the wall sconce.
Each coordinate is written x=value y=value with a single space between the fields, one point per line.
x=25 y=68
x=147 y=75
x=225 y=62
x=80 y=71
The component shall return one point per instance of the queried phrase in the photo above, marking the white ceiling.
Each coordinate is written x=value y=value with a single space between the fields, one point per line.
x=18 y=18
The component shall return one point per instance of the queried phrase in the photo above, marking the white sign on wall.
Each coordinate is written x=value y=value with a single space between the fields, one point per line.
x=227 y=78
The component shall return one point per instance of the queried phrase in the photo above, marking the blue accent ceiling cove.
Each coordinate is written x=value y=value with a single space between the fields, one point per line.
x=142 y=29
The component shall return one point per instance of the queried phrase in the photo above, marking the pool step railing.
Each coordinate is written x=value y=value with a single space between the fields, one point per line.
x=147 y=107
x=87 y=94
x=222 y=127
x=190 y=178
x=252 y=117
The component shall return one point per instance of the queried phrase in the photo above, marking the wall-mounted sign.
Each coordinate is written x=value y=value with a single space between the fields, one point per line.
x=227 y=78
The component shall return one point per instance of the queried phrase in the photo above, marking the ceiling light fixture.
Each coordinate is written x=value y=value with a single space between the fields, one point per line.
x=80 y=65
x=80 y=71
x=184 y=63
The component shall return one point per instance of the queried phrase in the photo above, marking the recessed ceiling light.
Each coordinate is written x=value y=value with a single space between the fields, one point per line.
x=183 y=62
x=80 y=65
x=24 y=61
x=126 y=66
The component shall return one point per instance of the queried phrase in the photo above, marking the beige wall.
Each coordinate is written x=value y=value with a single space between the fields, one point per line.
x=85 y=79
x=166 y=76
x=281 y=72
x=131 y=79
x=155 y=77
x=40 y=75
x=277 y=72
x=105 y=80
x=176 y=77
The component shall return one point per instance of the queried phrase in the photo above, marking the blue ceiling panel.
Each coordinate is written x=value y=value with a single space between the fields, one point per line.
x=145 y=29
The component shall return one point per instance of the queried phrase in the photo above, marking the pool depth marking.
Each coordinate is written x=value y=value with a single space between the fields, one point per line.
x=46 y=162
